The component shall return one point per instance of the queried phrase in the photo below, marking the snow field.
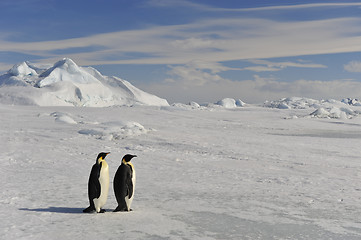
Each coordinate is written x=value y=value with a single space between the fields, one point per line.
x=245 y=173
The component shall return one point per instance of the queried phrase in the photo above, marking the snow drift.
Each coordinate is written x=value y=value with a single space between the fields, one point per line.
x=351 y=101
x=115 y=130
x=226 y=103
x=230 y=103
x=346 y=108
x=67 y=84
x=293 y=103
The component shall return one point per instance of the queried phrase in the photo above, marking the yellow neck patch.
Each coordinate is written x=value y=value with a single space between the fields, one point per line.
x=127 y=163
x=100 y=160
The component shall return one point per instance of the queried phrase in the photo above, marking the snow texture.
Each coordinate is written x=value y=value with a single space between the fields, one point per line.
x=351 y=101
x=322 y=108
x=202 y=172
x=67 y=84
x=230 y=103
x=115 y=130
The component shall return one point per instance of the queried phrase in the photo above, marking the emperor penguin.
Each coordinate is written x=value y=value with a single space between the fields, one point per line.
x=124 y=184
x=98 y=185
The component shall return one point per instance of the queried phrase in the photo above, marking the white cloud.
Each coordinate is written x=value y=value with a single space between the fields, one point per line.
x=192 y=75
x=287 y=7
x=353 y=66
x=212 y=40
x=196 y=82
x=197 y=73
x=192 y=43
x=287 y=64
x=184 y=3
x=277 y=66
x=172 y=3
x=214 y=67
x=262 y=69
x=255 y=90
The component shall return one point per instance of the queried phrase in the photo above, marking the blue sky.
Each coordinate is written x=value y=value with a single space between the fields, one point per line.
x=197 y=50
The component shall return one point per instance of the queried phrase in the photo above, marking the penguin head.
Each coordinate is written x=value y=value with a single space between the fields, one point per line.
x=101 y=156
x=127 y=158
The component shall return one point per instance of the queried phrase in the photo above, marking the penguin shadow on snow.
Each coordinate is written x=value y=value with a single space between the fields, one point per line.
x=55 y=210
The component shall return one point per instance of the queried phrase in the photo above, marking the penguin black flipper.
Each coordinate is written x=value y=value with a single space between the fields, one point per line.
x=129 y=184
x=119 y=182
x=94 y=188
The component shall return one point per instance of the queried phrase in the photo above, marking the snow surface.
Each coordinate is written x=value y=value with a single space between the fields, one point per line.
x=351 y=101
x=67 y=84
x=322 y=108
x=202 y=173
x=230 y=103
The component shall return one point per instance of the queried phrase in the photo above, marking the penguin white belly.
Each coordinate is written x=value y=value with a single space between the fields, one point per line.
x=128 y=200
x=104 y=187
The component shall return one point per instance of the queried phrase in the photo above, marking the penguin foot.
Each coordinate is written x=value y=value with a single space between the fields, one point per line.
x=118 y=209
x=89 y=209
x=102 y=211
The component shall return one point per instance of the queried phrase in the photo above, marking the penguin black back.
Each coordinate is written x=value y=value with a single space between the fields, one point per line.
x=124 y=184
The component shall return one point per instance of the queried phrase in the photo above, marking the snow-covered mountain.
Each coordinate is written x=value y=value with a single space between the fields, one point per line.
x=67 y=84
